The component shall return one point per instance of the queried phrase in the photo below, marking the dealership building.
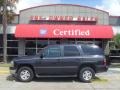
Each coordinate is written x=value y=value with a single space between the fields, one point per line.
x=36 y=27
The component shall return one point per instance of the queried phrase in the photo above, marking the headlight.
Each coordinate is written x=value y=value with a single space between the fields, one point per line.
x=12 y=63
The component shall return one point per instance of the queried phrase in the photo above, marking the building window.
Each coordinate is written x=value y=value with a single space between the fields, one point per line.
x=1 y=58
x=30 y=44
x=1 y=47
x=1 y=40
x=11 y=37
x=54 y=41
x=30 y=47
x=30 y=51
x=38 y=50
x=12 y=43
x=1 y=51
x=42 y=43
x=12 y=51
x=12 y=47
x=34 y=46
x=67 y=41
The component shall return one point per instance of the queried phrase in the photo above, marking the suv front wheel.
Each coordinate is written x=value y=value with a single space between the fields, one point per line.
x=25 y=74
x=86 y=74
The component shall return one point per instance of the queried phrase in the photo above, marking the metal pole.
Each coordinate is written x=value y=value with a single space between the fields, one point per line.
x=4 y=23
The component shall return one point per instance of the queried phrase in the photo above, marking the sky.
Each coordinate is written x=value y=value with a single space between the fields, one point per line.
x=111 y=6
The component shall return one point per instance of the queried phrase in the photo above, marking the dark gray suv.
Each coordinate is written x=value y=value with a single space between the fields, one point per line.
x=81 y=61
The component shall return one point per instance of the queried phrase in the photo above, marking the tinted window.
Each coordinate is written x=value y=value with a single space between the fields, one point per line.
x=30 y=51
x=92 y=50
x=1 y=40
x=71 y=51
x=12 y=51
x=11 y=37
x=52 y=52
x=30 y=44
x=42 y=43
x=10 y=44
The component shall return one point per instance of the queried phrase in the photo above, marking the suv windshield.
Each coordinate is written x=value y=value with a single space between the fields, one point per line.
x=92 y=50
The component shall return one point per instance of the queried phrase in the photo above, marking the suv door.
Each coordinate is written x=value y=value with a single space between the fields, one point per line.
x=70 y=60
x=49 y=63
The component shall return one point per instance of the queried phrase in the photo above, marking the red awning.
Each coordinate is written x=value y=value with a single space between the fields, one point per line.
x=63 y=31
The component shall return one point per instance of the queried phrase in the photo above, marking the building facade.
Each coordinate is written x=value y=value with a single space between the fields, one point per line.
x=36 y=27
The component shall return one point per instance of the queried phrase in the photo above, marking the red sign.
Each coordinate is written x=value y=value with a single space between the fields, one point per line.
x=63 y=31
x=64 y=18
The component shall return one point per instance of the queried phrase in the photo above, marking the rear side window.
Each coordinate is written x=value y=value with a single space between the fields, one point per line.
x=71 y=51
x=92 y=50
x=52 y=52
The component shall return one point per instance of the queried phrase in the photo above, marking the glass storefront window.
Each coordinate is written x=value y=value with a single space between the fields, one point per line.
x=1 y=58
x=12 y=47
x=42 y=43
x=52 y=41
x=30 y=44
x=12 y=43
x=11 y=37
x=67 y=41
x=12 y=51
x=30 y=51
x=1 y=51
x=1 y=40
x=30 y=47
x=38 y=50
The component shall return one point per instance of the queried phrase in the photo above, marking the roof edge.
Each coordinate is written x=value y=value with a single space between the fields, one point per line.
x=115 y=16
x=63 y=4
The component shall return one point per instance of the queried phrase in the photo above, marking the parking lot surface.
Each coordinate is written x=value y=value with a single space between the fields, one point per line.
x=105 y=81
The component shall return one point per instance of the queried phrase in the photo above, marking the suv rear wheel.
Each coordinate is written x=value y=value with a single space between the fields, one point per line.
x=86 y=74
x=25 y=74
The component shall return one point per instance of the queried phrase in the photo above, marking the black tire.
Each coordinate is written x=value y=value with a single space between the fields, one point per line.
x=82 y=74
x=25 y=77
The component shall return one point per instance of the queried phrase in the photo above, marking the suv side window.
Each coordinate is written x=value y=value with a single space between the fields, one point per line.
x=92 y=50
x=71 y=51
x=52 y=52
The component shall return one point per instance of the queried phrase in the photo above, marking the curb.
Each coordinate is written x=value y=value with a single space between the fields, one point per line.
x=115 y=69
x=4 y=72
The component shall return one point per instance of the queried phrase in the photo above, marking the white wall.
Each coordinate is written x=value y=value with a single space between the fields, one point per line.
x=10 y=29
x=116 y=29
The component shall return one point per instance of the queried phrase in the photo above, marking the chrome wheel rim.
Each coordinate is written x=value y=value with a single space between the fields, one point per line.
x=87 y=75
x=25 y=75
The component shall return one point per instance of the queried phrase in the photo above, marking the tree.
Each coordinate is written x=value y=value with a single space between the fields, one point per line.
x=117 y=41
x=7 y=8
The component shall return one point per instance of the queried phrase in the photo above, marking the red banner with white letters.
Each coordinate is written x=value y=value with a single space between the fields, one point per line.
x=64 y=18
x=63 y=31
